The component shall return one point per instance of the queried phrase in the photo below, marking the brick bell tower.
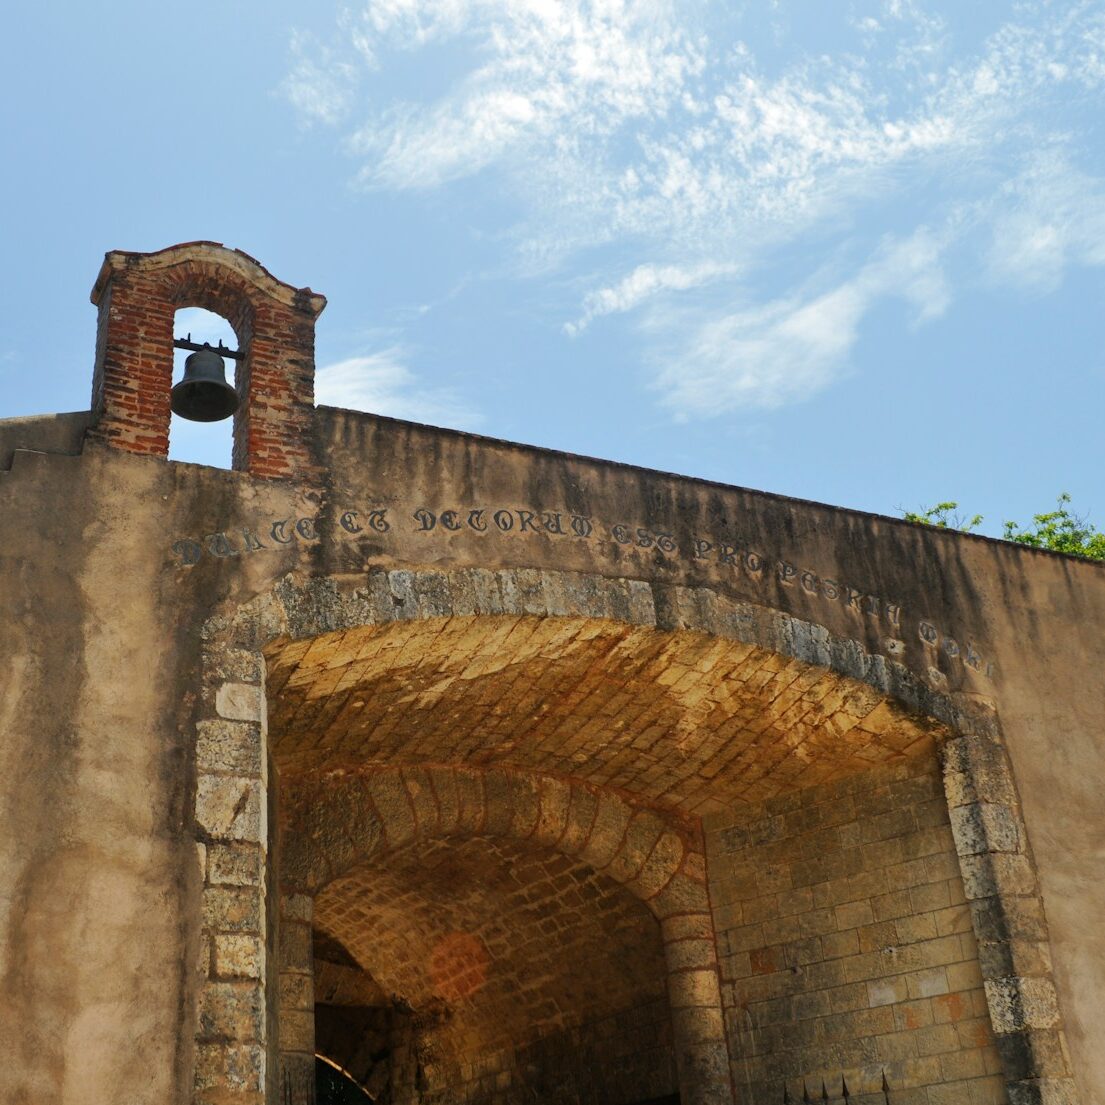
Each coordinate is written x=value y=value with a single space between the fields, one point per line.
x=138 y=295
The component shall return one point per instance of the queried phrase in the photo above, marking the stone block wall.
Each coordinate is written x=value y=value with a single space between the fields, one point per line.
x=846 y=945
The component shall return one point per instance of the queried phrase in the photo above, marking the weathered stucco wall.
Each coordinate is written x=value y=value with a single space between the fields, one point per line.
x=112 y=563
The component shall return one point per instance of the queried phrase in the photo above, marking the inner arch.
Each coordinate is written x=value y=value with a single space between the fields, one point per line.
x=498 y=963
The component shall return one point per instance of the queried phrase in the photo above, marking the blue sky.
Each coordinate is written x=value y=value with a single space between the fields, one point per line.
x=853 y=251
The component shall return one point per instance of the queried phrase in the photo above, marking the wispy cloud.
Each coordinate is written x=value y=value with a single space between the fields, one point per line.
x=645 y=282
x=1045 y=219
x=542 y=75
x=381 y=383
x=654 y=128
x=320 y=85
x=791 y=348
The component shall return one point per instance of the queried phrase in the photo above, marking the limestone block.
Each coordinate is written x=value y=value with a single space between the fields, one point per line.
x=297 y=1030
x=297 y=907
x=681 y=895
x=700 y=1025
x=975 y=770
x=985 y=827
x=1015 y=958
x=232 y=1010
x=526 y=804
x=423 y=800
x=444 y=784
x=232 y=909
x=235 y=864
x=644 y=830
x=581 y=817
x=686 y=954
x=665 y=859
x=295 y=947
x=642 y=607
x=991 y=874
x=704 y=1072
x=486 y=590
x=392 y=803
x=240 y=702
x=432 y=594
x=230 y=747
x=698 y=989
x=687 y=926
x=471 y=803
x=1008 y=918
x=554 y=800
x=230 y=808
x=611 y=820
x=232 y=1068
x=1019 y=1003
x=236 y=665
x=1046 y=1091
x=239 y=956
x=296 y=992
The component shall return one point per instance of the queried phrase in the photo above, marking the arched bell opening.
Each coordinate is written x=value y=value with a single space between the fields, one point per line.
x=203 y=442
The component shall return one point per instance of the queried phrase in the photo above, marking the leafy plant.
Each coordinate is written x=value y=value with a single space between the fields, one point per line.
x=1059 y=530
x=941 y=517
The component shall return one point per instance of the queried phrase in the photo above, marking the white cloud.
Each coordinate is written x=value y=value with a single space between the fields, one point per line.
x=544 y=75
x=1047 y=218
x=644 y=282
x=611 y=121
x=790 y=349
x=382 y=384
x=615 y=118
x=320 y=86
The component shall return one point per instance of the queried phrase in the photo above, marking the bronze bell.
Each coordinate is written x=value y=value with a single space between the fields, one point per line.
x=203 y=395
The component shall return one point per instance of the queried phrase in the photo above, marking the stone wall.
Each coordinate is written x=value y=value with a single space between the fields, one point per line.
x=847 y=946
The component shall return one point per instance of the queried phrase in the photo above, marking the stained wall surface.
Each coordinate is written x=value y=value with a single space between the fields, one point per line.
x=113 y=564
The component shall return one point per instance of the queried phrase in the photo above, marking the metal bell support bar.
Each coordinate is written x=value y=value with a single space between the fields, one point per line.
x=203 y=395
x=222 y=350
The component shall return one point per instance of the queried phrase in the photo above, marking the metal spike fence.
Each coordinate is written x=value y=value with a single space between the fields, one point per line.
x=844 y=1096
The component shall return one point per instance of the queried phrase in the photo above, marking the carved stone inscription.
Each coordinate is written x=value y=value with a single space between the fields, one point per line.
x=728 y=555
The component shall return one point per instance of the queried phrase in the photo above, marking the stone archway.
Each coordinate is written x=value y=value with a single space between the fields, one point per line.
x=235 y=1044
x=336 y=822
